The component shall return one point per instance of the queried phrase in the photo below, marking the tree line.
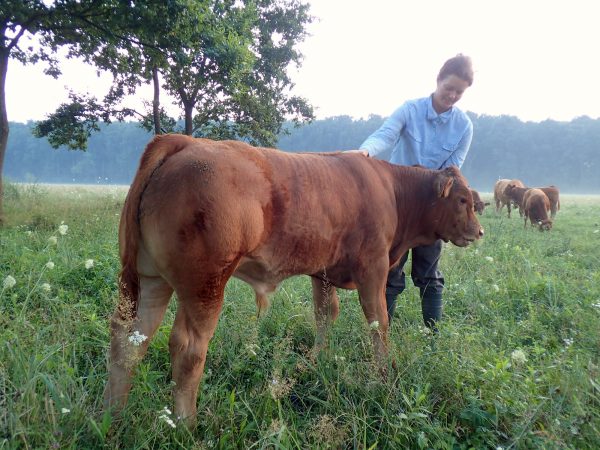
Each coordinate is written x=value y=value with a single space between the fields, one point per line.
x=566 y=154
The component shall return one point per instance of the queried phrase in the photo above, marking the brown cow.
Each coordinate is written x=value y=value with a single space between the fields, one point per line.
x=499 y=193
x=553 y=195
x=478 y=204
x=536 y=209
x=515 y=194
x=200 y=211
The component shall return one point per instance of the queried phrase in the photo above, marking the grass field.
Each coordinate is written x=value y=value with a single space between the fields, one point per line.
x=515 y=364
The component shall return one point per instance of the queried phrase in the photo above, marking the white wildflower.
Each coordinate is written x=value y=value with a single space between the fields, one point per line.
x=374 y=325
x=568 y=341
x=50 y=265
x=252 y=349
x=46 y=287
x=425 y=330
x=596 y=305
x=164 y=415
x=89 y=263
x=9 y=282
x=495 y=287
x=489 y=258
x=65 y=410
x=339 y=358
x=63 y=229
x=518 y=357
x=52 y=240
x=137 y=338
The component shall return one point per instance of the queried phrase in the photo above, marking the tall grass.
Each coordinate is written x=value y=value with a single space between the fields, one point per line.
x=515 y=365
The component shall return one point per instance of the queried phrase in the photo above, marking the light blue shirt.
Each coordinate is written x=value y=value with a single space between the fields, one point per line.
x=418 y=135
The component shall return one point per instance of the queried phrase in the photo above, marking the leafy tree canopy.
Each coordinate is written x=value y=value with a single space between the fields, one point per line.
x=224 y=62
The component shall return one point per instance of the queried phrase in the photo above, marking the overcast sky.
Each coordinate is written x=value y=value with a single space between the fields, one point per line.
x=532 y=59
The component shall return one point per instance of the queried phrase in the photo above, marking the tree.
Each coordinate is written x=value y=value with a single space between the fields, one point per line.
x=236 y=77
x=33 y=30
x=131 y=44
x=224 y=61
x=19 y=20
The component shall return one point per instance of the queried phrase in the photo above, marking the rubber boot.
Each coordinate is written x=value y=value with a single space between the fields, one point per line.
x=431 y=306
x=390 y=300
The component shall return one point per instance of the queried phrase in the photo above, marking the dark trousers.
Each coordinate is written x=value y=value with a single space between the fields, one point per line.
x=425 y=275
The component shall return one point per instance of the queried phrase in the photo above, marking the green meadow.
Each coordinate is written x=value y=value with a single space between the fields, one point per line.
x=516 y=363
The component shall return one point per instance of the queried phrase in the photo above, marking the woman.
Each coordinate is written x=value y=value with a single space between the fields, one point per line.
x=432 y=132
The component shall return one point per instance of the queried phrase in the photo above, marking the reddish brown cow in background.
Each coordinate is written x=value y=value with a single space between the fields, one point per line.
x=499 y=193
x=200 y=211
x=553 y=194
x=515 y=194
x=478 y=204
x=536 y=207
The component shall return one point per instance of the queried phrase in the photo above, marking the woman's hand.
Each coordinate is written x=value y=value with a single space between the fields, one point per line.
x=362 y=152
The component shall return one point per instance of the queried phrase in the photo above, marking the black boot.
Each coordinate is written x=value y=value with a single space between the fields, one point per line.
x=390 y=300
x=431 y=306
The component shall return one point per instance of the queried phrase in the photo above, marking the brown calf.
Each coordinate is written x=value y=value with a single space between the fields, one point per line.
x=200 y=211
x=553 y=194
x=536 y=209
x=478 y=204
x=500 y=196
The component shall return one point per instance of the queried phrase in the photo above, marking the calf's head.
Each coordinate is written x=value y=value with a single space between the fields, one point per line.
x=545 y=224
x=452 y=214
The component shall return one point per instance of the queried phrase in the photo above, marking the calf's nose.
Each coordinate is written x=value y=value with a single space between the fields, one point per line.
x=480 y=232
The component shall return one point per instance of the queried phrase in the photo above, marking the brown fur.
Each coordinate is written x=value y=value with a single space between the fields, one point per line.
x=536 y=209
x=500 y=196
x=553 y=194
x=515 y=194
x=478 y=204
x=200 y=211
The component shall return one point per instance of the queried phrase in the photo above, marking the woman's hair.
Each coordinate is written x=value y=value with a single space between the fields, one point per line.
x=460 y=66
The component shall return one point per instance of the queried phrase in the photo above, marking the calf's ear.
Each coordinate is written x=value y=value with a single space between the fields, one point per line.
x=443 y=184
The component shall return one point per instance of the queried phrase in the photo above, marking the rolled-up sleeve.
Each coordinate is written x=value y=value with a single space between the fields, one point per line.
x=458 y=156
x=386 y=137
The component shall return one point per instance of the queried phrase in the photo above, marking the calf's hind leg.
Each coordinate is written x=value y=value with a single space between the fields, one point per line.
x=194 y=326
x=155 y=294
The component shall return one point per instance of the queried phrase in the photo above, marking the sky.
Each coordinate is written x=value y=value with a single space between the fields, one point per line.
x=535 y=60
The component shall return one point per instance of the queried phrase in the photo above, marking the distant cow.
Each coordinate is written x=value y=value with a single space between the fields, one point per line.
x=536 y=207
x=478 y=204
x=499 y=195
x=200 y=211
x=516 y=194
x=553 y=194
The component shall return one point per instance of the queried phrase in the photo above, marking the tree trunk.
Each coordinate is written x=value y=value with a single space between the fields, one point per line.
x=189 y=109
x=3 y=127
x=156 y=101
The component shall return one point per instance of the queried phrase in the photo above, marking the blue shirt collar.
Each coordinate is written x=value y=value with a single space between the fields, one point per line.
x=432 y=115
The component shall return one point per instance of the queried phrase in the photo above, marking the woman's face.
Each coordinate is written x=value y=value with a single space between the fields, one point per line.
x=449 y=91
